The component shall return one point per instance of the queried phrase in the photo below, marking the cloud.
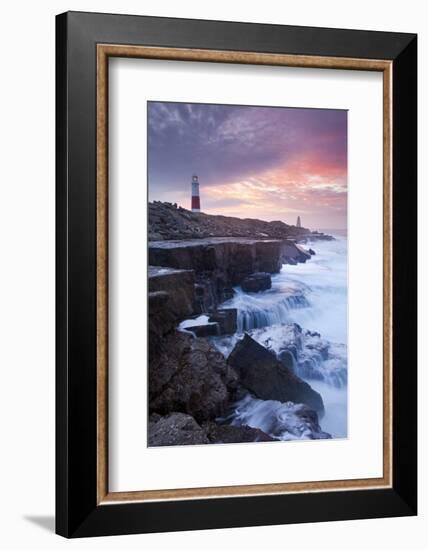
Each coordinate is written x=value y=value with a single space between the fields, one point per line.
x=270 y=161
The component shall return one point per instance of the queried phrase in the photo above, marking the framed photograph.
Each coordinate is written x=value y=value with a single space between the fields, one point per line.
x=236 y=274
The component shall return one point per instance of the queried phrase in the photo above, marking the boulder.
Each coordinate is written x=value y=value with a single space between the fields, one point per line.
x=175 y=429
x=203 y=331
x=171 y=298
x=292 y=253
x=304 y=254
x=161 y=320
x=190 y=376
x=226 y=433
x=265 y=376
x=226 y=320
x=305 y=352
x=309 y=423
x=256 y=282
x=178 y=284
x=311 y=252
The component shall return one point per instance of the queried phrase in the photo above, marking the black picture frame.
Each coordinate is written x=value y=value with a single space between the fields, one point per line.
x=77 y=511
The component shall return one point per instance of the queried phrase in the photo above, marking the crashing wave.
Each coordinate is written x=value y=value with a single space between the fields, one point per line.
x=310 y=356
x=284 y=421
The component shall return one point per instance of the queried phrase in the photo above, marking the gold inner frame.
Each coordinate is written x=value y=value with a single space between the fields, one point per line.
x=104 y=52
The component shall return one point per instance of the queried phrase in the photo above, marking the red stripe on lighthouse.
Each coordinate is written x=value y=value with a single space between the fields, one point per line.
x=196 y=203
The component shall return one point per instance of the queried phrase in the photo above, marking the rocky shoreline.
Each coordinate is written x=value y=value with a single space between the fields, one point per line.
x=171 y=222
x=193 y=386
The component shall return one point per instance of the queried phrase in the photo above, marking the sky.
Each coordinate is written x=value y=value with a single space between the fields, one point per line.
x=270 y=163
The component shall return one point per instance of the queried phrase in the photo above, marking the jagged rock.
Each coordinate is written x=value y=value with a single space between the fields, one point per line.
x=304 y=254
x=234 y=258
x=182 y=429
x=171 y=298
x=218 y=263
x=178 y=284
x=190 y=376
x=226 y=319
x=226 y=433
x=203 y=331
x=175 y=429
x=292 y=253
x=179 y=223
x=312 y=357
x=311 y=252
x=287 y=358
x=264 y=375
x=309 y=419
x=161 y=320
x=256 y=282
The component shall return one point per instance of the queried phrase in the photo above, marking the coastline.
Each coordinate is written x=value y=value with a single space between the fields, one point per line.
x=239 y=367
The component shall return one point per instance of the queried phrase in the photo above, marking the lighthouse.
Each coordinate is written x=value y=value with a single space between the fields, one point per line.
x=196 y=202
x=298 y=224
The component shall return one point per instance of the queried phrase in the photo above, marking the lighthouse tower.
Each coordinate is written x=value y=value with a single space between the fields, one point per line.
x=298 y=224
x=196 y=202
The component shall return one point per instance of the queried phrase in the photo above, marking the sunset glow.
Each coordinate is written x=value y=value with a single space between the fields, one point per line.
x=253 y=162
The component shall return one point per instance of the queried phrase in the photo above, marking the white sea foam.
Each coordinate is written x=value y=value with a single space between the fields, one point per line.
x=313 y=295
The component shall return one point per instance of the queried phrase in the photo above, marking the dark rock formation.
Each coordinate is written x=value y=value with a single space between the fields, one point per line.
x=219 y=323
x=226 y=319
x=175 y=429
x=256 y=282
x=171 y=298
x=311 y=252
x=236 y=258
x=188 y=375
x=226 y=433
x=218 y=264
x=306 y=353
x=167 y=222
x=203 y=331
x=264 y=375
x=178 y=284
x=292 y=253
x=182 y=429
x=309 y=419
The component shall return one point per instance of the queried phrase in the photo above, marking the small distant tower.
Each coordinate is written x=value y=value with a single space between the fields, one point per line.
x=298 y=224
x=196 y=201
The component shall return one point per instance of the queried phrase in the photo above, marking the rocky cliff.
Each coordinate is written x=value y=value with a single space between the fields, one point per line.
x=195 y=261
x=171 y=222
x=218 y=263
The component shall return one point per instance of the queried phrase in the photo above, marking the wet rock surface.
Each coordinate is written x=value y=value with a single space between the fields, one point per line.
x=264 y=375
x=196 y=396
x=283 y=421
x=256 y=282
x=218 y=263
x=292 y=253
x=306 y=353
x=171 y=298
x=226 y=319
x=178 y=284
x=204 y=331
